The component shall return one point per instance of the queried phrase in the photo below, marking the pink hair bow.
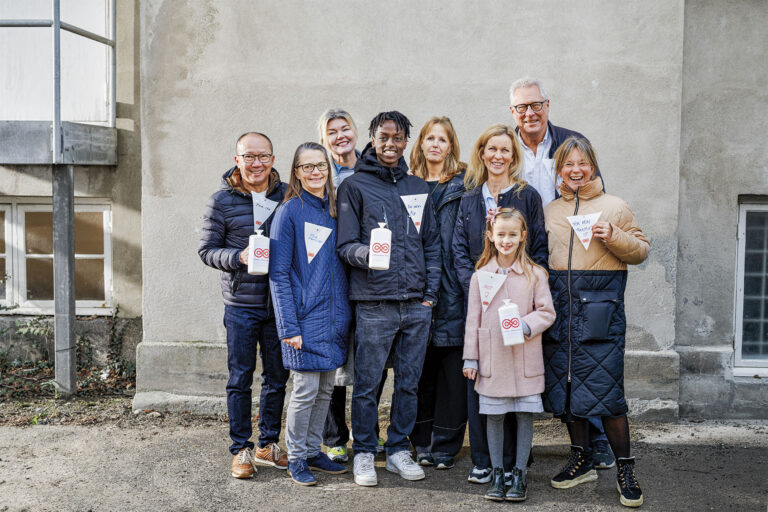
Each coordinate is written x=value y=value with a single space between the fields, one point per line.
x=490 y=215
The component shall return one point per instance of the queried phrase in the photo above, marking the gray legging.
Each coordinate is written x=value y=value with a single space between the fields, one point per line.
x=495 y=427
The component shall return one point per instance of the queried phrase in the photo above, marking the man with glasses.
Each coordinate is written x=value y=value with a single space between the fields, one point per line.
x=540 y=139
x=249 y=193
x=393 y=307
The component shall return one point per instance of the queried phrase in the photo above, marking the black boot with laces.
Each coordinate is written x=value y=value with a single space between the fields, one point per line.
x=626 y=483
x=580 y=469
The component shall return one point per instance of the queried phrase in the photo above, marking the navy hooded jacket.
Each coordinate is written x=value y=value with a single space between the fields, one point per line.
x=373 y=195
x=310 y=298
x=227 y=224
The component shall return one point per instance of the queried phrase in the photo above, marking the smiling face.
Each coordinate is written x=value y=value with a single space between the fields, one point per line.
x=533 y=124
x=576 y=170
x=389 y=141
x=436 y=144
x=255 y=175
x=507 y=236
x=314 y=180
x=340 y=136
x=497 y=155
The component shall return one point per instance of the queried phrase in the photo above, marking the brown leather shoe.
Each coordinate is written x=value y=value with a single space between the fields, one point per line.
x=271 y=455
x=242 y=464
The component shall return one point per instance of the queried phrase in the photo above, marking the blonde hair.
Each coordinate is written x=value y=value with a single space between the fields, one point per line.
x=452 y=166
x=584 y=147
x=328 y=116
x=477 y=174
x=521 y=255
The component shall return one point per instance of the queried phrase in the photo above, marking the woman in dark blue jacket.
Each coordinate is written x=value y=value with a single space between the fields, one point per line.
x=439 y=431
x=493 y=180
x=309 y=290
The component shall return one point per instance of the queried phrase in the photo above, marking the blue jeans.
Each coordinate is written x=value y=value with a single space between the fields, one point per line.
x=376 y=334
x=596 y=432
x=247 y=329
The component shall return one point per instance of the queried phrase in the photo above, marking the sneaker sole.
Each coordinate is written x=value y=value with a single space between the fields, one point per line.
x=425 y=463
x=306 y=484
x=339 y=460
x=626 y=501
x=444 y=466
x=366 y=482
x=475 y=480
x=605 y=466
x=263 y=462
x=413 y=477
x=329 y=472
x=590 y=476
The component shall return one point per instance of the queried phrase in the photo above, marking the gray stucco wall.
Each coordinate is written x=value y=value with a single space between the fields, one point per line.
x=212 y=70
x=723 y=155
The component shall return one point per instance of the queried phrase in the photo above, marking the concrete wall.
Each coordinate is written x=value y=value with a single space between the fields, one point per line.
x=212 y=70
x=723 y=155
x=120 y=185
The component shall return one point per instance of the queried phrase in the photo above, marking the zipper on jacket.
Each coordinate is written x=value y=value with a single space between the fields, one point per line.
x=570 y=301
x=333 y=295
x=235 y=282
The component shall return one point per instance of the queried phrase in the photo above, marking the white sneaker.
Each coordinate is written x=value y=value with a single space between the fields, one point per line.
x=364 y=471
x=402 y=464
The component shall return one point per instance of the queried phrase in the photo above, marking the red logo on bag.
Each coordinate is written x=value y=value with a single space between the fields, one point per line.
x=261 y=253
x=510 y=324
x=515 y=323
x=380 y=248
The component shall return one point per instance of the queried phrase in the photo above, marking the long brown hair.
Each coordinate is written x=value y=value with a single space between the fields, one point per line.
x=452 y=165
x=521 y=255
x=477 y=174
x=295 y=189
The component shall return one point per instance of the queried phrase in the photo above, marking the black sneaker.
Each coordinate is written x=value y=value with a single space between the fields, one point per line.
x=626 y=483
x=578 y=470
x=496 y=491
x=518 y=489
x=602 y=457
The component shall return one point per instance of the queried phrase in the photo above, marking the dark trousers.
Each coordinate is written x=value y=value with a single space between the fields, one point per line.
x=336 y=431
x=247 y=330
x=377 y=327
x=441 y=418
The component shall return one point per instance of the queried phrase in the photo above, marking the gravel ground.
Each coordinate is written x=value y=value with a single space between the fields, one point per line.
x=100 y=456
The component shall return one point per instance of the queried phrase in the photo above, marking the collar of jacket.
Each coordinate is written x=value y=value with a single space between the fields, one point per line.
x=454 y=189
x=592 y=189
x=493 y=267
x=232 y=181
x=369 y=163
x=313 y=200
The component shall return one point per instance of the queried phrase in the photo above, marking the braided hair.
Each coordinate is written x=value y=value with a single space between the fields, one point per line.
x=399 y=119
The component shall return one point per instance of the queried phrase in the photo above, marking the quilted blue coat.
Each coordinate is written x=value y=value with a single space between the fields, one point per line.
x=310 y=299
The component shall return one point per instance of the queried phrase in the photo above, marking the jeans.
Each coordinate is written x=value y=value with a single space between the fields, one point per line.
x=336 y=432
x=247 y=329
x=378 y=324
x=596 y=432
x=442 y=414
x=306 y=413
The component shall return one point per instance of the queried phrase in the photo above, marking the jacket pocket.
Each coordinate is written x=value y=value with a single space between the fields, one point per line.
x=597 y=310
x=533 y=359
x=484 y=352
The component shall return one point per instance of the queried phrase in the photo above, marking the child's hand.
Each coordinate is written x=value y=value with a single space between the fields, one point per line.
x=470 y=373
x=294 y=342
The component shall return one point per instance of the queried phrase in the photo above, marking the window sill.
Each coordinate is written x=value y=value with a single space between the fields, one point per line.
x=83 y=311
x=750 y=372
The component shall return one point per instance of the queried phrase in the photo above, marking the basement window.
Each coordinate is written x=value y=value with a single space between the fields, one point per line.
x=751 y=348
x=26 y=255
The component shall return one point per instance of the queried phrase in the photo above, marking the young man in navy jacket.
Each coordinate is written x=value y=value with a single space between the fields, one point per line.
x=252 y=185
x=393 y=308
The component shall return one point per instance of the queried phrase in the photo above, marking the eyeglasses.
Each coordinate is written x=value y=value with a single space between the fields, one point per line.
x=536 y=106
x=308 y=168
x=249 y=158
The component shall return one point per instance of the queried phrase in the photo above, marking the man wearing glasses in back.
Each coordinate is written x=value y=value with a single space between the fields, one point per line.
x=539 y=140
x=246 y=200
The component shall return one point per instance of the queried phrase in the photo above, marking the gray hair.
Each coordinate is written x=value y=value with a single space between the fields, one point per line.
x=526 y=82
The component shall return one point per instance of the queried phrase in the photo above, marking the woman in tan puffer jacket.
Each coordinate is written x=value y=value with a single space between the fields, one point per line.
x=584 y=348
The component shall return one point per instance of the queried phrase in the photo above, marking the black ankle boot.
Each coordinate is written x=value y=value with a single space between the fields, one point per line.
x=496 y=491
x=626 y=483
x=580 y=469
x=518 y=489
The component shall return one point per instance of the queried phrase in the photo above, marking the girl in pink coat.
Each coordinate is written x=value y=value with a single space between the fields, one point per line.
x=507 y=378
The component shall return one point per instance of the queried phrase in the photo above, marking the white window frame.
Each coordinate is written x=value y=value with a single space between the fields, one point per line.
x=16 y=250
x=744 y=367
x=8 y=269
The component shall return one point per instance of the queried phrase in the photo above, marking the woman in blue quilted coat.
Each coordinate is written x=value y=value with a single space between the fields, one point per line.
x=309 y=290
x=592 y=238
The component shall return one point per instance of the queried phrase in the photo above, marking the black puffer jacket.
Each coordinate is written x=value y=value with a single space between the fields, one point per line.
x=373 y=195
x=227 y=224
x=448 y=317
